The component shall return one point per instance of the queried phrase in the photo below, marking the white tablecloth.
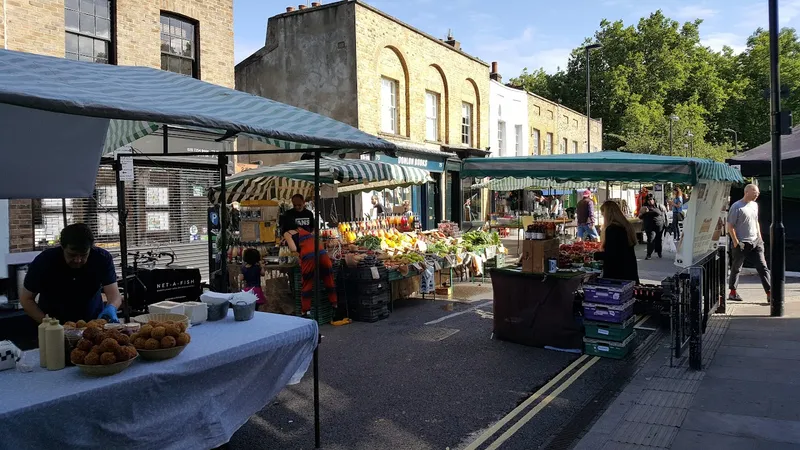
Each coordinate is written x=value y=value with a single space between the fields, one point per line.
x=197 y=400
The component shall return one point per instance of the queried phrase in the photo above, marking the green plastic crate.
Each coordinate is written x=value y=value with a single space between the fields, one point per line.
x=604 y=331
x=609 y=349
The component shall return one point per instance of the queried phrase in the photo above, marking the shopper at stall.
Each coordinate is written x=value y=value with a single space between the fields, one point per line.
x=250 y=276
x=377 y=206
x=555 y=207
x=618 y=245
x=654 y=219
x=407 y=208
x=745 y=232
x=298 y=216
x=585 y=212
x=69 y=279
x=301 y=241
x=677 y=213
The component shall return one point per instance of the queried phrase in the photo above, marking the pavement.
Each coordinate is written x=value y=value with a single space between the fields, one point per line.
x=746 y=397
x=431 y=377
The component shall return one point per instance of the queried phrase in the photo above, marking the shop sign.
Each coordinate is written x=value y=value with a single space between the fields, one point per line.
x=412 y=161
x=704 y=221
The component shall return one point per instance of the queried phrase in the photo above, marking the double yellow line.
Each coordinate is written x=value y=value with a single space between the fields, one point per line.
x=583 y=364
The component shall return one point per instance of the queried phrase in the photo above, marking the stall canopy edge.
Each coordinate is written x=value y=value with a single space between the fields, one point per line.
x=603 y=166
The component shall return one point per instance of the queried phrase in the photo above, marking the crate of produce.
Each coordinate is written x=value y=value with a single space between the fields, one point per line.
x=371 y=314
x=608 y=291
x=616 y=332
x=609 y=349
x=608 y=313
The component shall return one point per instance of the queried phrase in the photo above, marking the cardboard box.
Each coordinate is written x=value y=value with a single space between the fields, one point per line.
x=535 y=254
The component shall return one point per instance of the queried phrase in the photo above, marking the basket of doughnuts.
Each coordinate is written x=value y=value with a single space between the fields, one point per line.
x=158 y=341
x=101 y=353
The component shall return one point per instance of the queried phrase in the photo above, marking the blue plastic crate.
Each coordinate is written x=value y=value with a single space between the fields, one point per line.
x=609 y=292
x=608 y=313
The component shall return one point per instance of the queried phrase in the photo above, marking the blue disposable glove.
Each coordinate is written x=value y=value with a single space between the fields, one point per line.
x=110 y=314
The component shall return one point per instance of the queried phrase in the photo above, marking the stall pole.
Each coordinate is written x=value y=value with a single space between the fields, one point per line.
x=316 y=298
x=122 y=215
x=223 y=216
x=165 y=143
x=777 y=231
x=64 y=211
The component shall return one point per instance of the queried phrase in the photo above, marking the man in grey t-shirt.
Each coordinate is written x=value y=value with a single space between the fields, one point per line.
x=745 y=233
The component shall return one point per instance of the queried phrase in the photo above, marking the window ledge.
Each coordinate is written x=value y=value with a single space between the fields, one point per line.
x=393 y=135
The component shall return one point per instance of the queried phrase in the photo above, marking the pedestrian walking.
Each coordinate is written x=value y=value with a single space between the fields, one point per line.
x=654 y=219
x=745 y=233
x=677 y=213
x=585 y=212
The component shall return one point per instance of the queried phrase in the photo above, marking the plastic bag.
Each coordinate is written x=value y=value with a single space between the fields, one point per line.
x=668 y=244
x=246 y=297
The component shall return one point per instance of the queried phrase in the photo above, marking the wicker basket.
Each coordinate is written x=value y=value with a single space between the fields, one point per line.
x=177 y=318
x=103 y=371
x=161 y=354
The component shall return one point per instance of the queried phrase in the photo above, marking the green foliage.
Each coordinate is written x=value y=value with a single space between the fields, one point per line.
x=646 y=73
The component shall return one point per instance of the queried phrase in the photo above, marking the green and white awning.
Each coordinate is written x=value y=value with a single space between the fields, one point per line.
x=514 y=184
x=603 y=166
x=349 y=175
x=61 y=99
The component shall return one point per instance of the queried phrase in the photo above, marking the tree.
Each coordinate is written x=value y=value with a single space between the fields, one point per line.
x=646 y=73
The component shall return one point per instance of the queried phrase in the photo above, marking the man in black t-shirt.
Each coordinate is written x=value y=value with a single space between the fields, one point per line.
x=297 y=217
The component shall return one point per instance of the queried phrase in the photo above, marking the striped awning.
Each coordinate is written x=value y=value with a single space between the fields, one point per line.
x=126 y=103
x=514 y=184
x=282 y=181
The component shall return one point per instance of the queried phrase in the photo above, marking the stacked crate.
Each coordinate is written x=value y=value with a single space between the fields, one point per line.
x=608 y=318
x=367 y=291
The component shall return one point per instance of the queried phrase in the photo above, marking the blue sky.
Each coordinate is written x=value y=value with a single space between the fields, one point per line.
x=533 y=33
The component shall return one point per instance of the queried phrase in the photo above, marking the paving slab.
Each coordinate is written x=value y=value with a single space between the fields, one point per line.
x=760 y=428
x=702 y=440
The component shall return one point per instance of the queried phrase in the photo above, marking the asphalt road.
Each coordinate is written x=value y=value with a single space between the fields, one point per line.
x=400 y=384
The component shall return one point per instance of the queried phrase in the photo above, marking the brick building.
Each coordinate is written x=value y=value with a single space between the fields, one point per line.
x=555 y=129
x=191 y=37
x=352 y=62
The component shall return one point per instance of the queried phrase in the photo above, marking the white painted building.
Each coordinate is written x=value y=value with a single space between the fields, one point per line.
x=508 y=120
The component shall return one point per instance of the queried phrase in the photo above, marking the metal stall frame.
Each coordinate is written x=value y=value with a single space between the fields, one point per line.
x=222 y=165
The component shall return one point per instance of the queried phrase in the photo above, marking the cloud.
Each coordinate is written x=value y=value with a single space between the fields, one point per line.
x=719 y=40
x=693 y=12
x=526 y=49
x=756 y=14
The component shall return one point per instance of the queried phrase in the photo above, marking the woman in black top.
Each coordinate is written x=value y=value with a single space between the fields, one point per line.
x=618 y=244
x=654 y=219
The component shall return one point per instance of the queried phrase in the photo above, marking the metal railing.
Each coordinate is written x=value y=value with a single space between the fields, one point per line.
x=695 y=294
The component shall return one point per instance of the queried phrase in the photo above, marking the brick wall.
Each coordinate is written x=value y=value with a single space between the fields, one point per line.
x=139 y=40
x=420 y=63
x=550 y=117
x=37 y=26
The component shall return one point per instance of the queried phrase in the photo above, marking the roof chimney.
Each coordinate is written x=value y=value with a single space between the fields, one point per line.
x=494 y=75
x=301 y=6
x=452 y=42
x=315 y=4
x=289 y=8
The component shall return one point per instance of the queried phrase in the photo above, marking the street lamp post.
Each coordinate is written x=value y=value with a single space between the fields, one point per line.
x=690 y=135
x=778 y=232
x=672 y=118
x=735 y=139
x=588 y=49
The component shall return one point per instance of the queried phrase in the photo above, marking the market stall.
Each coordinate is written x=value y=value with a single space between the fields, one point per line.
x=245 y=365
x=112 y=106
x=544 y=255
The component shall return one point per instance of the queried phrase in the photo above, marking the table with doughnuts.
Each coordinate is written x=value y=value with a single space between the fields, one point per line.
x=157 y=382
